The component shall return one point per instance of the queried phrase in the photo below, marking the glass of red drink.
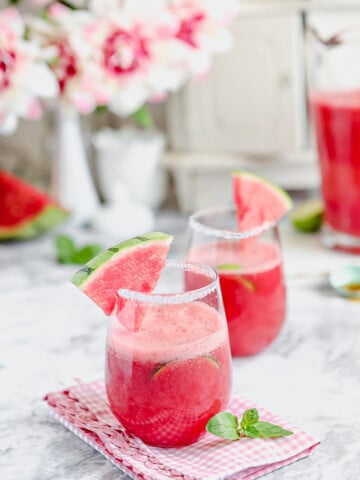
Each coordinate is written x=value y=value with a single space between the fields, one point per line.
x=168 y=361
x=334 y=100
x=249 y=265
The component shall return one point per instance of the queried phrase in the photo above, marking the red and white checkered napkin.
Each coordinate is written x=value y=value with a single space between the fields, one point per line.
x=83 y=409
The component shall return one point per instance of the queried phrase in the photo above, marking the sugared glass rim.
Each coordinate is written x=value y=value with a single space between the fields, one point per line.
x=198 y=226
x=179 y=297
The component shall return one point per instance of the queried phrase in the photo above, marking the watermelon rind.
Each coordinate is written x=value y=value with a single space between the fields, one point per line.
x=47 y=219
x=82 y=276
x=280 y=192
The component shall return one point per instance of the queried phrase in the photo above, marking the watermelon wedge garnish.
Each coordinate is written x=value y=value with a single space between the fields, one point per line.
x=25 y=211
x=135 y=264
x=257 y=200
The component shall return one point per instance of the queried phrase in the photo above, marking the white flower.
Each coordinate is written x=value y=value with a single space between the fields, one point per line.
x=24 y=76
x=62 y=37
x=203 y=30
x=122 y=53
x=133 y=49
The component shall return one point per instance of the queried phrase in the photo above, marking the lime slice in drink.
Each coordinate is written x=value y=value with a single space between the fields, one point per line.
x=180 y=368
x=247 y=284
x=230 y=267
x=233 y=268
x=308 y=216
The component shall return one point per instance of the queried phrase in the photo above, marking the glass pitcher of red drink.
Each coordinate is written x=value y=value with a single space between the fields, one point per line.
x=334 y=102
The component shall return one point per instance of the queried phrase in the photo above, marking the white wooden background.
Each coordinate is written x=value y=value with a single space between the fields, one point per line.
x=252 y=103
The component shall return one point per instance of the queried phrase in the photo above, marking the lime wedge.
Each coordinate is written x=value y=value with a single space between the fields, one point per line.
x=308 y=216
x=228 y=266
x=233 y=268
x=247 y=284
x=204 y=361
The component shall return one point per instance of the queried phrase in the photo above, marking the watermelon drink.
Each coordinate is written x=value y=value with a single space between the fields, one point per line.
x=249 y=265
x=334 y=105
x=168 y=362
x=336 y=118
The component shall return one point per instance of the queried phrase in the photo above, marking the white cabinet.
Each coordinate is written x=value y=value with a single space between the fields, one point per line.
x=250 y=101
x=250 y=113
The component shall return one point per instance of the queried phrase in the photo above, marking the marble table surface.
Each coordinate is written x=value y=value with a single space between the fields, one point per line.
x=51 y=334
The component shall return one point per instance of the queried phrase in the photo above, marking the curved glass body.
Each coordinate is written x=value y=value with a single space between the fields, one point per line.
x=249 y=265
x=168 y=362
x=334 y=100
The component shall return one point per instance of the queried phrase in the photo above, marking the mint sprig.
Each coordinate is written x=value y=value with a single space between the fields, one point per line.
x=143 y=117
x=68 y=253
x=226 y=425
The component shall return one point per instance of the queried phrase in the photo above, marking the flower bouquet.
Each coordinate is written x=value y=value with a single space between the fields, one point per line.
x=82 y=56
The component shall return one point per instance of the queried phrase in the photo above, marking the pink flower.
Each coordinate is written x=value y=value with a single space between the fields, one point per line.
x=65 y=65
x=62 y=35
x=202 y=30
x=189 y=27
x=123 y=53
x=7 y=67
x=131 y=46
x=24 y=76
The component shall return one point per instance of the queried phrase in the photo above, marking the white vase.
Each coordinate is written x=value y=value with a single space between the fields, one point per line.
x=72 y=184
x=131 y=156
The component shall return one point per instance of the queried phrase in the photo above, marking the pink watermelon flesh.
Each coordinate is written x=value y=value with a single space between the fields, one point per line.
x=21 y=204
x=134 y=265
x=257 y=201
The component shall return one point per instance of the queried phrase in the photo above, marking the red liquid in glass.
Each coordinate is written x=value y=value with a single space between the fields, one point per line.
x=336 y=118
x=254 y=295
x=167 y=380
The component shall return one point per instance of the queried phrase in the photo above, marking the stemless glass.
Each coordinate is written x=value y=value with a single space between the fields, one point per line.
x=168 y=366
x=334 y=99
x=249 y=265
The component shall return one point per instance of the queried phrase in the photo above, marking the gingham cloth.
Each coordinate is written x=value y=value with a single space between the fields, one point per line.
x=84 y=410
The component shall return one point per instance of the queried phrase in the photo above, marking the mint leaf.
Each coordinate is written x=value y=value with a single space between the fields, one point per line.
x=249 y=417
x=68 y=253
x=83 y=255
x=143 y=117
x=101 y=109
x=265 y=430
x=224 y=425
x=65 y=248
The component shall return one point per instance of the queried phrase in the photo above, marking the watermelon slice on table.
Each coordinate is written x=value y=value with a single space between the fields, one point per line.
x=257 y=200
x=135 y=264
x=25 y=211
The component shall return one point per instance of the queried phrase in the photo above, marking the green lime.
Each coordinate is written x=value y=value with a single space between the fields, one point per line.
x=232 y=268
x=206 y=361
x=228 y=266
x=247 y=284
x=308 y=216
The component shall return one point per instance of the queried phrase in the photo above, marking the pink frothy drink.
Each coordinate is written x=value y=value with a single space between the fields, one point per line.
x=165 y=380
